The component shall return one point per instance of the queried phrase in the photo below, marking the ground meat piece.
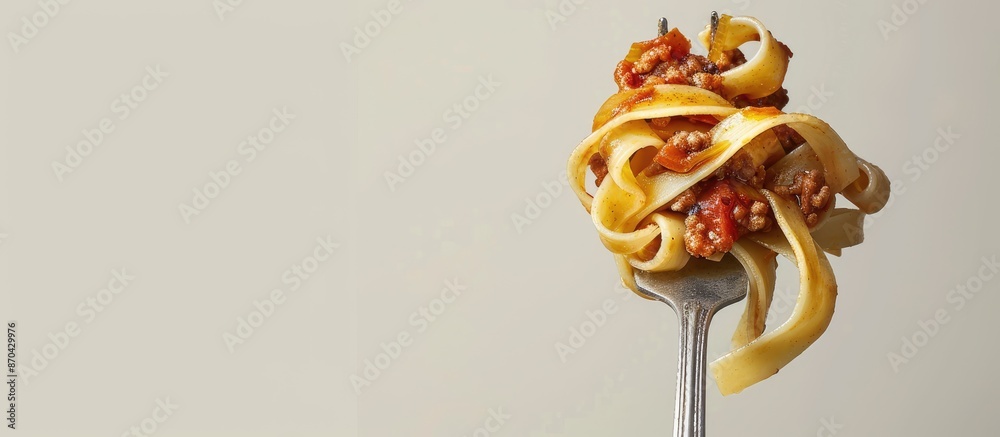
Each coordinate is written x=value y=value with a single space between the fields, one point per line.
x=626 y=78
x=660 y=65
x=741 y=167
x=651 y=58
x=698 y=239
x=730 y=59
x=666 y=74
x=708 y=81
x=599 y=166
x=690 y=142
x=675 y=153
x=759 y=219
x=810 y=191
x=724 y=211
x=757 y=180
x=788 y=137
x=753 y=219
x=693 y=70
x=692 y=64
x=777 y=99
x=686 y=200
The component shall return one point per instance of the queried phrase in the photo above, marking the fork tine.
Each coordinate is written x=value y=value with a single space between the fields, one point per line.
x=715 y=25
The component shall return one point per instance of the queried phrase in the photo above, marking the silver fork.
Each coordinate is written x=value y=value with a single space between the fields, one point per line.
x=696 y=293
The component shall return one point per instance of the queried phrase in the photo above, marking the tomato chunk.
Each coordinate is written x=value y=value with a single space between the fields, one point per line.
x=712 y=224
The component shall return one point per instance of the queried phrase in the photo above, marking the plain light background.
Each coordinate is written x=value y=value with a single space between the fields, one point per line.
x=888 y=91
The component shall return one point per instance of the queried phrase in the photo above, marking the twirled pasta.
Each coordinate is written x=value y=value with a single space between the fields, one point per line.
x=690 y=147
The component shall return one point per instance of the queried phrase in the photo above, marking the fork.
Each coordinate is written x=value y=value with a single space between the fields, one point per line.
x=696 y=293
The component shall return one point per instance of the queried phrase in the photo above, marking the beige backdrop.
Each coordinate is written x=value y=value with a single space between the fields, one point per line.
x=239 y=217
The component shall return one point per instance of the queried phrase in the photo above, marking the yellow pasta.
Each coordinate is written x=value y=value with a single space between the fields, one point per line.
x=694 y=157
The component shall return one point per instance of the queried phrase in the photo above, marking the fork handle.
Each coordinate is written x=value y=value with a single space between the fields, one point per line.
x=690 y=411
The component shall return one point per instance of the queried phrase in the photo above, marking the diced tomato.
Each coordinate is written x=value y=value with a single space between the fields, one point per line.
x=714 y=208
x=674 y=159
x=680 y=160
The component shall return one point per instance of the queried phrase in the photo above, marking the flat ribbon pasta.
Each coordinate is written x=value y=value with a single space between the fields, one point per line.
x=632 y=209
x=813 y=311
